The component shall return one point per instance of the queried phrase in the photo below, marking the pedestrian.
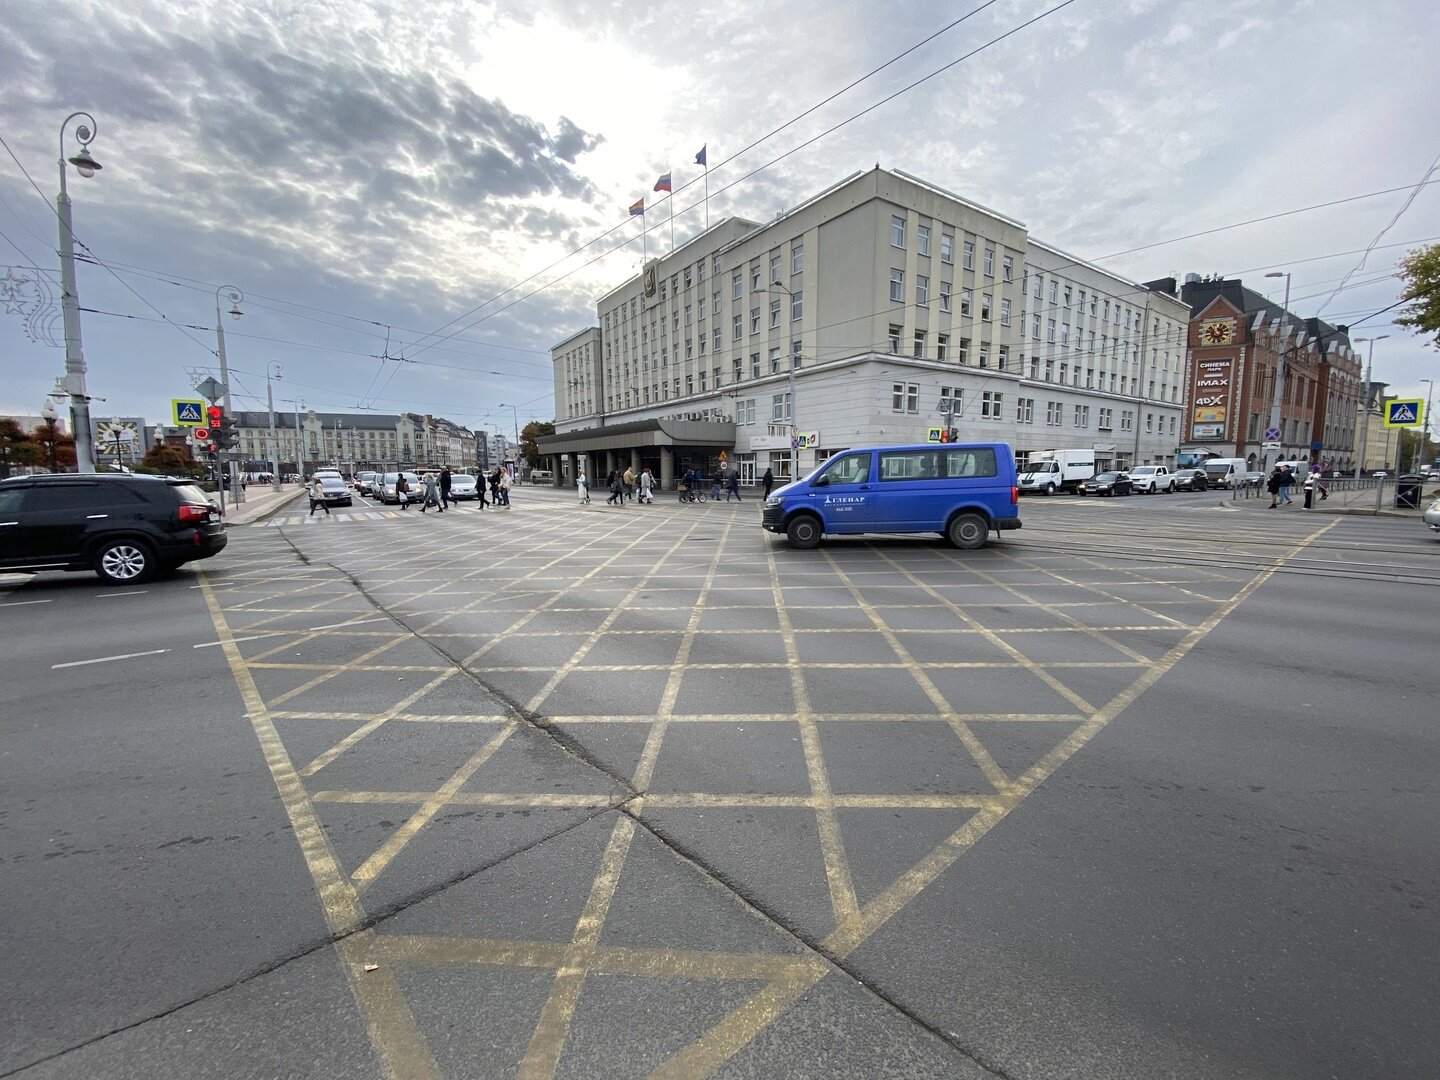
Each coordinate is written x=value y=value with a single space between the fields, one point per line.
x=732 y=484
x=317 y=496
x=494 y=480
x=1287 y=480
x=768 y=480
x=1272 y=485
x=617 y=489
x=505 y=489
x=582 y=488
x=629 y=480
x=432 y=493
x=715 y=482
x=646 y=483
x=445 y=499
x=402 y=491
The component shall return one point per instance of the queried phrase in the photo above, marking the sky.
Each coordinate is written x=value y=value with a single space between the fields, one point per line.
x=419 y=199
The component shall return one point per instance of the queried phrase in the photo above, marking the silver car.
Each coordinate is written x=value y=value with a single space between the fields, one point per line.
x=1432 y=516
x=335 y=490
x=462 y=486
x=385 y=486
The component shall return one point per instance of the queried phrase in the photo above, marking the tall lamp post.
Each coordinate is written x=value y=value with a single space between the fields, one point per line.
x=272 y=371
x=1276 y=397
x=47 y=413
x=794 y=412
x=1365 y=402
x=235 y=296
x=87 y=167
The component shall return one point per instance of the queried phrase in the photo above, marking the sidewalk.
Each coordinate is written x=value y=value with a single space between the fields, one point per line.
x=261 y=501
x=1356 y=503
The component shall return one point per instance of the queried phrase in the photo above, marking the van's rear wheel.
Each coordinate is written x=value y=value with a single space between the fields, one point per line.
x=968 y=531
x=803 y=532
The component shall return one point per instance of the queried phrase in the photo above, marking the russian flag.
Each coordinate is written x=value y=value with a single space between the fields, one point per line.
x=638 y=206
x=663 y=184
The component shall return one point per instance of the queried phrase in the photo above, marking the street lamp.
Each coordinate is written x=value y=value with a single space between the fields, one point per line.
x=794 y=412
x=1279 y=367
x=87 y=167
x=1365 y=400
x=272 y=371
x=235 y=296
x=47 y=413
x=516 y=411
x=115 y=430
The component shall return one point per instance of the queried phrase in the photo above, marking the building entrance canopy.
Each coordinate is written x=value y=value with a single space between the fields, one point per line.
x=641 y=433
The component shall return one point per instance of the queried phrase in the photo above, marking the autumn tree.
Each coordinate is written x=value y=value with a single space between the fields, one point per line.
x=532 y=431
x=168 y=461
x=16 y=448
x=64 y=448
x=1420 y=270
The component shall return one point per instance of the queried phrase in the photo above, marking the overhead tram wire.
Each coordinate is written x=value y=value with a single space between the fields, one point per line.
x=760 y=168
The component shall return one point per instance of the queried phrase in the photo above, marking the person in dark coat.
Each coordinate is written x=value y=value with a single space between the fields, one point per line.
x=769 y=482
x=1272 y=485
x=445 y=499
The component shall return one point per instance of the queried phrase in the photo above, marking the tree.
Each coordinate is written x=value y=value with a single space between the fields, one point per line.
x=64 y=448
x=16 y=447
x=1420 y=270
x=528 y=436
x=169 y=461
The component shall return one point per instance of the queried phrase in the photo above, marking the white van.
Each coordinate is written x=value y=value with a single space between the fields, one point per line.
x=1225 y=471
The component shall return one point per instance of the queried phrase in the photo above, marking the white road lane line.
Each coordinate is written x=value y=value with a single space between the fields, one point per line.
x=22 y=603
x=133 y=592
x=107 y=659
x=212 y=644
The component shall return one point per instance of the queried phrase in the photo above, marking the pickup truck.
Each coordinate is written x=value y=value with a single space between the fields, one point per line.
x=1149 y=479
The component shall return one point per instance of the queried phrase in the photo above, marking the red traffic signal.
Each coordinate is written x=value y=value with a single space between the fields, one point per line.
x=214 y=415
x=202 y=435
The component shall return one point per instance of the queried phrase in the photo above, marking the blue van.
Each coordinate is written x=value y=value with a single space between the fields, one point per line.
x=960 y=490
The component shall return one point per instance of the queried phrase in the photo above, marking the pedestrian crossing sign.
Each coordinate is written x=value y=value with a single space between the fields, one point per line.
x=1404 y=412
x=187 y=413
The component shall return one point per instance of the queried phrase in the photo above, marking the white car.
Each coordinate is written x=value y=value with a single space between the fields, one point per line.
x=1432 y=516
x=1150 y=479
x=462 y=486
x=385 y=487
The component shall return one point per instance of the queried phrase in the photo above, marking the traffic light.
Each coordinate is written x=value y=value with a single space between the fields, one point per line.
x=222 y=428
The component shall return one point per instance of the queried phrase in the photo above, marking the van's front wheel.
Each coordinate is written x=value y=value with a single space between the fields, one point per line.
x=1049 y=489
x=803 y=531
x=968 y=531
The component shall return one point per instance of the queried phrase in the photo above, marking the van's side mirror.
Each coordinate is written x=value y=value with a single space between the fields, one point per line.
x=822 y=481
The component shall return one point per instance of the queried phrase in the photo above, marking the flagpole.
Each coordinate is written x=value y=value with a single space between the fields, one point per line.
x=671 y=201
x=707 y=195
x=644 y=240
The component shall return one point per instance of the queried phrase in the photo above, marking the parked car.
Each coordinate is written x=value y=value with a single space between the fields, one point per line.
x=334 y=488
x=462 y=486
x=385 y=486
x=961 y=491
x=1432 y=516
x=1191 y=480
x=1107 y=483
x=125 y=527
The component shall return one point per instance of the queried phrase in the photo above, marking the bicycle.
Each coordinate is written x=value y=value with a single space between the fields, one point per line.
x=694 y=496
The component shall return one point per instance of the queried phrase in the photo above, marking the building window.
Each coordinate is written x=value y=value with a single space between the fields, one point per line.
x=1149 y=422
x=947 y=248
x=1002 y=357
x=775 y=361
x=920 y=343
x=1035 y=327
x=897 y=232
x=737 y=369
x=688 y=315
x=1082 y=416
x=922 y=291
x=794 y=354
x=893 y=339
x=962 y=351
x=754 y=320
x=736 y=329
x=991 y=403
x=745 y=411
x=797 y=305
x=1025 y=410
x=689 y=386
x=775 y=266
x=754 y=365
x=755 y=275
x=1007 y=268
x=965 y=298
x=1054 y=292
x=797 y=257
x=986 y=306
x=737 y=285
x=716 y=339
x=897 y=285
x=1004 y=312
x=1127 y=420
x=1064 y=373
x=989 y=262
x=779 y=408
x=942 y=346
x=984 y=354
x=702 y=380
x=774 y=314
x=944 y=296
x=967 y=253
x=922 y=239
x=1039 y=285
x=1054 y=413
x=1050 y=330
x=905 y=398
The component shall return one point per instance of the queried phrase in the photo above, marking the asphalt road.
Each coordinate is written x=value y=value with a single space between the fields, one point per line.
x=1143 y=790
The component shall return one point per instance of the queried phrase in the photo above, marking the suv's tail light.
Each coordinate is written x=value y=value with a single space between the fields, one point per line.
x=191 y=514
x=1014 y=494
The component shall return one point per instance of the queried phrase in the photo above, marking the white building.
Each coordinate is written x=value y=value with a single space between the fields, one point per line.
x=901 y=306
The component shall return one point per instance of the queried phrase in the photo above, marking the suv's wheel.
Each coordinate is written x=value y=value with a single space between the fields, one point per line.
x=125 y=562
x=968 y=531
x=803 y=532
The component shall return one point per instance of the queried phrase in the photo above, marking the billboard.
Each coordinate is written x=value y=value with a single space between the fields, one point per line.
x=1210 y=397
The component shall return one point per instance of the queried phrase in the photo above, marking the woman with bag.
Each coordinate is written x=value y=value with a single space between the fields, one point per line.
x=402 y=491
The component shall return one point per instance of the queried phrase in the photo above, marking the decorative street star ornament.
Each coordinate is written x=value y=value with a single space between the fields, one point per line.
x=10 y=292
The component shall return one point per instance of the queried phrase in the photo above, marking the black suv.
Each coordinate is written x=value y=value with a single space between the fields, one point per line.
x=125 y=527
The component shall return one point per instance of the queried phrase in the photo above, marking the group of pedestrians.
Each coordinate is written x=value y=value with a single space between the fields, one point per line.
x=624 y=486
x=1282 y=479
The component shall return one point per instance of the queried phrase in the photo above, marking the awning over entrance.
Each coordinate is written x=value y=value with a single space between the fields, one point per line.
x=639 y=433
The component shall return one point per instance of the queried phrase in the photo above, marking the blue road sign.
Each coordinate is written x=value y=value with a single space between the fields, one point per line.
x=1403 y=412
x=1272 y=434
x=186 y=413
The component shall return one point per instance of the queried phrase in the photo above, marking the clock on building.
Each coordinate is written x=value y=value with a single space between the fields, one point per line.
x=1217 y=331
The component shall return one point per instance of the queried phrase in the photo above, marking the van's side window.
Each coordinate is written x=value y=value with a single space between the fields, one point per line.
x=970 y=461
x=911 y=465
x=847 y=470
